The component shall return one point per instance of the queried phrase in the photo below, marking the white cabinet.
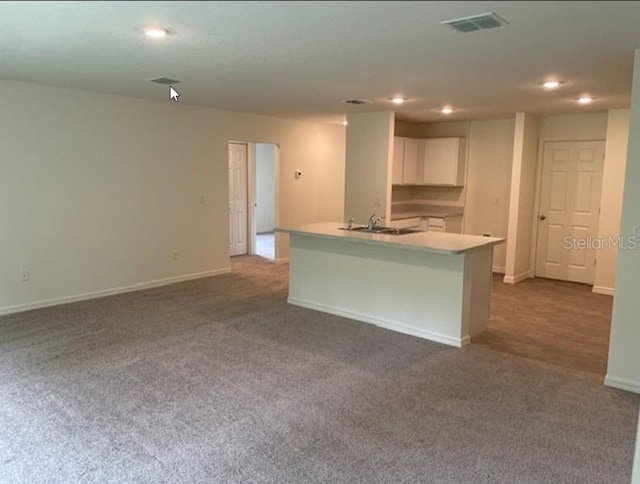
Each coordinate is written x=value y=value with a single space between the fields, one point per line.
x=440 y=224
x=443 y=161
x=407 y=223
x=410 y=173
x=398 y=160
x=433 y=224
x=405 y=161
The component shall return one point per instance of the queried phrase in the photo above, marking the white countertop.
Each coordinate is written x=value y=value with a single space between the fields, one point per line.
x=442 y=242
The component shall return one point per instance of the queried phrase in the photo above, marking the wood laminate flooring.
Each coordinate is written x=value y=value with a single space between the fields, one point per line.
x=553 y=321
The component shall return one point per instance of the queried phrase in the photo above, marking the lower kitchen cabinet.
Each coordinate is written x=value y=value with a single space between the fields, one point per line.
x=434 y=224
x=407 y=223
x=440 y=224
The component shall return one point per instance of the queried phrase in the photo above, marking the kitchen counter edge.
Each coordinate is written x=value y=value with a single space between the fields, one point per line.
x=440 y=242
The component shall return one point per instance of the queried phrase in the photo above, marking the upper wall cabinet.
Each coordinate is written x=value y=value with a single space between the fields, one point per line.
x=443 y=161
x=398 y=160
x=405 y=161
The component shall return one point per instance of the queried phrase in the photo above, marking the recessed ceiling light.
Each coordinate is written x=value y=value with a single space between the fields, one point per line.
x=156 y=32
x=446 y=110
x=398 y=100
x=551 y=84
x=585 y=99
x=345 y=122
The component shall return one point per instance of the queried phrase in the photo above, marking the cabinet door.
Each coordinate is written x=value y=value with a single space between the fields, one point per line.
x=410 y=174
x=436 y=224
x=398 y=160
x=406 y=223
x=443 y=161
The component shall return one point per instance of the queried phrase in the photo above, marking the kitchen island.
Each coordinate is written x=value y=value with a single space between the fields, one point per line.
x=433 y=285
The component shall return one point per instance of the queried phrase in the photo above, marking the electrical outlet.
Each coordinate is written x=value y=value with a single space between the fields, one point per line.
x=203 y=200
x=175 y=254
x=25 y=275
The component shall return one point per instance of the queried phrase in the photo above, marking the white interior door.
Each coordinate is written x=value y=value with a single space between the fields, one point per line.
x=238 y=221
x=569 y=209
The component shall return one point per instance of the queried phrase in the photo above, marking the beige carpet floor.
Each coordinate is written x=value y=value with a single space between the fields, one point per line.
x=219 y=380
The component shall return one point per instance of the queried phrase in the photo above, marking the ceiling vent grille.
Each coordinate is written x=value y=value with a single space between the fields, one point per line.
x=356 y=102
x=483 y=21
x=164 y=80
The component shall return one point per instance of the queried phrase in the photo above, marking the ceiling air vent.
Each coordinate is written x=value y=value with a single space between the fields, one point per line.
x=356 y=101
x=164 y=80
x=483 y=21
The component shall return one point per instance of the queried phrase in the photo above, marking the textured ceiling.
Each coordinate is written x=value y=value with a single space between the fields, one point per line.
x=299 y=59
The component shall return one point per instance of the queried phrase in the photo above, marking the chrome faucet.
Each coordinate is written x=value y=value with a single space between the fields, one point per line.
x=373 y=221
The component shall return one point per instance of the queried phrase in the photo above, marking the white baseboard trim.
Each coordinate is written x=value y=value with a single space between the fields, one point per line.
x=607 y=291
x=498 y=269
x=383 y=323
x=518 y=278
x=622 y=384
x=110 y=292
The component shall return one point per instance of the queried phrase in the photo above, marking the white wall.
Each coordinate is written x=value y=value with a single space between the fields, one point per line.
x=488 y=178
x=615 y=161
x=587 y=126
x=369 y=154
x=523 y=182
x=97 y=190
x=265 y=187
x=623 y=369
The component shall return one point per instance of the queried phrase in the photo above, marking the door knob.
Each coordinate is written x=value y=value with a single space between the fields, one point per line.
x=542 y=217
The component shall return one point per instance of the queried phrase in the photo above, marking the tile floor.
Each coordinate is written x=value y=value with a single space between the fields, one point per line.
x=265 y=245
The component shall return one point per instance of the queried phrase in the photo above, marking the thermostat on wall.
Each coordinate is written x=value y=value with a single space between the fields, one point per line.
x=298 y=173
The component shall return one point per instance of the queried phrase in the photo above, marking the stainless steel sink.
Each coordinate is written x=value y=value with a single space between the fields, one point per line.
x=406 y=231
x=382 y=230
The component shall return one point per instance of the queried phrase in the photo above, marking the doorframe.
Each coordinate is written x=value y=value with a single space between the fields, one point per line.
x=251 y=194
x=251 y=197
x=538 y=192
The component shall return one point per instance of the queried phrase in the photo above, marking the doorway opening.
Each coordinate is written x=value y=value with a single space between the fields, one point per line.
x=265 y=200
x=253 y=213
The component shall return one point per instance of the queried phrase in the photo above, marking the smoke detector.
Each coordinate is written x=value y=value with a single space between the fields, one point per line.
x=483 y=21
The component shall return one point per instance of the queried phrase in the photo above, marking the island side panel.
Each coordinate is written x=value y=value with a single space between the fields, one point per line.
x=477 y=291
x=410 y=291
